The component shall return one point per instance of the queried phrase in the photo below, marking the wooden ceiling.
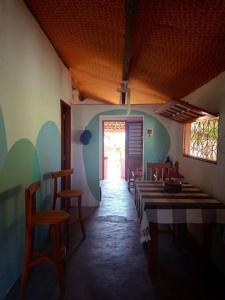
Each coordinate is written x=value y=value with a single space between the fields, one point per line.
x=164 y=48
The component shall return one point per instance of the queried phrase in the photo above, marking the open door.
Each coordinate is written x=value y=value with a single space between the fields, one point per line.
x=134 y=145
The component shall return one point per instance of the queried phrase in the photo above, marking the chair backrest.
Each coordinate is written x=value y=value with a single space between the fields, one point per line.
x=30 y=200
x=174 y=174
x=138 y=172
x=157 y=171
x=64 y=174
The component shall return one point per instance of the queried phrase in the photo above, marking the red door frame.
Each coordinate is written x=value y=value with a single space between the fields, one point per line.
x=65 y=136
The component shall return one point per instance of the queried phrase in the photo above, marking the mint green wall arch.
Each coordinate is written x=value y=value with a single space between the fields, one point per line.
x=21 y=165
x=48 y=147
x=16 y=174
x=155 y=148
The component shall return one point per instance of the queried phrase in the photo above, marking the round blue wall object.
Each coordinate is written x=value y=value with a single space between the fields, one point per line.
x=85 y=137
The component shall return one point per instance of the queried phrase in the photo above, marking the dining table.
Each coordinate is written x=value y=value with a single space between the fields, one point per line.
x=189 y=206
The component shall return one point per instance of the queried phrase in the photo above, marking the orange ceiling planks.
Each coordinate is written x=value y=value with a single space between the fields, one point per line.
x=176 y=46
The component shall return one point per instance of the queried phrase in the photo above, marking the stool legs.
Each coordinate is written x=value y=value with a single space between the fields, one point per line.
x=80 y=220
x=58 y=256
x=80 y=217
x=67 y=231
x=27 y=260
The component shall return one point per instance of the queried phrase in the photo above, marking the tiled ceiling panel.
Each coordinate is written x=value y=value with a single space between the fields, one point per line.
x=176 y=46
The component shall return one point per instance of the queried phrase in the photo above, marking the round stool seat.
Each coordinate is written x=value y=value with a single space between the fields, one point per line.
x=51 y=217
x=69 y=194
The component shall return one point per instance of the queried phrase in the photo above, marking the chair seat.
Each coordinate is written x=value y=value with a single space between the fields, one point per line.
x=69 y=194
x=51 y=217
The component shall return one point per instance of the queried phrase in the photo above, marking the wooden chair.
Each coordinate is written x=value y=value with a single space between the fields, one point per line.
x=174 y=174
x=33 y=220
x=66 y=195
x=133 y=175
x=157 y=171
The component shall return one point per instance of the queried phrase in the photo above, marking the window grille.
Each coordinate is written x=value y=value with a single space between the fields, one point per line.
x=201 y=139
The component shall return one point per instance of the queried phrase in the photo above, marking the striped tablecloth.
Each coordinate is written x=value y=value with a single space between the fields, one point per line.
x=190 y=206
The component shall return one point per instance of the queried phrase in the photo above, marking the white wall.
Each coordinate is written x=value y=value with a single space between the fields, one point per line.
x=32 y=77
x=81 y=116
x=209 y=177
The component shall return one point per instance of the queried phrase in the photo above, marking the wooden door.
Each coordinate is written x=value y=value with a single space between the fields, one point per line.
x=65 y=138
x=134 y=145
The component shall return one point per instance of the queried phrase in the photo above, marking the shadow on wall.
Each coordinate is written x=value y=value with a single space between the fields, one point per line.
x=156 y=148
x=76 y=136
x=3 y=143
x=19 y=167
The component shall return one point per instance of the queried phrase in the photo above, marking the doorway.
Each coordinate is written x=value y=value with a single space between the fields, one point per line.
x=114 y=149
x=122 y=146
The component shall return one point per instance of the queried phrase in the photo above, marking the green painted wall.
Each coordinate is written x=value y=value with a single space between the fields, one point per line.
x=155 y=148
x=32 y=81
x=23 y=164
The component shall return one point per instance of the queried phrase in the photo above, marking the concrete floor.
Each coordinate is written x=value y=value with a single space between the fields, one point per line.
x=111 y=264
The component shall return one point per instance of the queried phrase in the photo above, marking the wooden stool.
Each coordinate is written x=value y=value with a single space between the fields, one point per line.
x=66 y=195
x=34 y=219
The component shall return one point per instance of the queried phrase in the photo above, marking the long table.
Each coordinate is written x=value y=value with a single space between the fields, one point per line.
x=155 y=207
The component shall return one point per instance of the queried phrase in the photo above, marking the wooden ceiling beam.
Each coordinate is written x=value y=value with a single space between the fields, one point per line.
x=186 y=114
x=130 y=18
x=183 y=112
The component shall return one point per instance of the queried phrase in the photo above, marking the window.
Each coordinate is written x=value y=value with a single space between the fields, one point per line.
x=201 y=139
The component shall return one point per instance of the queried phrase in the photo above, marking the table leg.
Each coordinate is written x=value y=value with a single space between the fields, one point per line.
x=207 y=239
x=153 y=250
